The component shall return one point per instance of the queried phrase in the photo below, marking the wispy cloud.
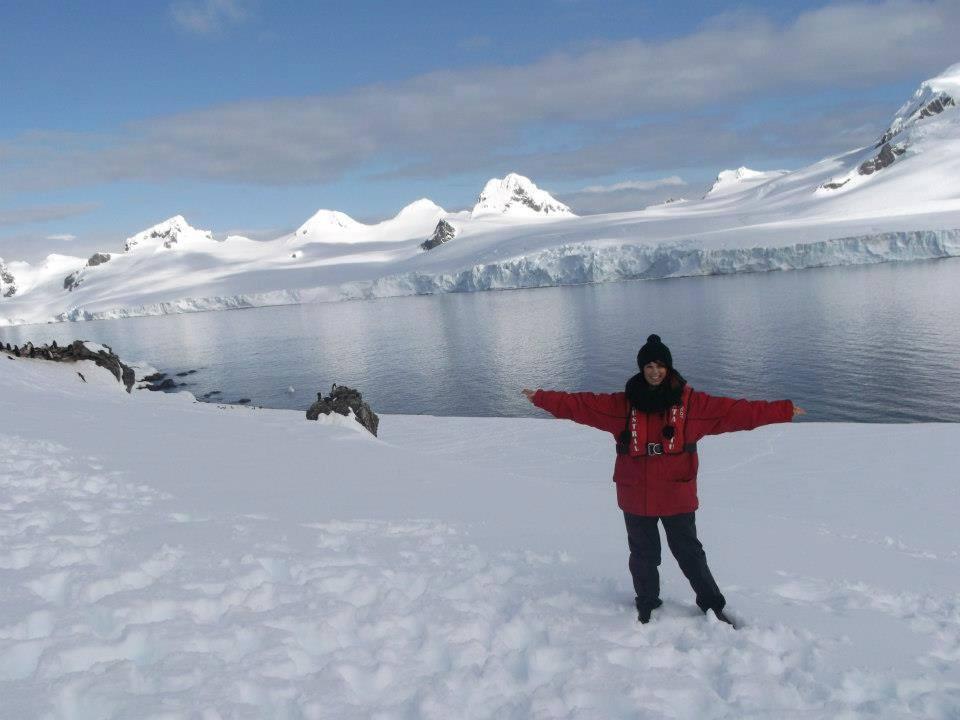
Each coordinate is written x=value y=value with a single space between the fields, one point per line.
x=672 y=181
x=43 y=213
x=65 y=237
x=467 y=119
x=203 y=17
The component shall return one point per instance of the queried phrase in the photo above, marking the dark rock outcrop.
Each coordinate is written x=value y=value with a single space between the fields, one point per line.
x=444 y=232
x=8 y=284
x=342 y=400
x=886 y=157
x=73 y=280
x=75 y=351
x=835 y=185
x=936 y=106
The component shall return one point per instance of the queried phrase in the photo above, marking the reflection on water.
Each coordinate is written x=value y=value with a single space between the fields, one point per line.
x=876 y=344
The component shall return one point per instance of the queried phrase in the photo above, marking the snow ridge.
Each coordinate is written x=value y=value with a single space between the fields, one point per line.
x=931 y=98
x=731 y=181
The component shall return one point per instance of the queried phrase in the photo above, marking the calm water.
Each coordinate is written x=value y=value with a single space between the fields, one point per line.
x=875 y=344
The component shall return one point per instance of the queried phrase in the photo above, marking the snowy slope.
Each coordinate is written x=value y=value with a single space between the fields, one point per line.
x=179 y=560
x=896 y=199
x=743 y=178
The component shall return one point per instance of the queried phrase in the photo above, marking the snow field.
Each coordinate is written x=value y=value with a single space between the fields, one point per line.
x=165 y=559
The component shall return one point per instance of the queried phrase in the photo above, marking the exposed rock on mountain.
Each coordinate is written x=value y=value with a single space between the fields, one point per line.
x=931 y=98
x=8 y=284
x=344 y=401
x=167 y=234
x=884 y=158
x=444 y=232
x=75 y=279
x=516 y=195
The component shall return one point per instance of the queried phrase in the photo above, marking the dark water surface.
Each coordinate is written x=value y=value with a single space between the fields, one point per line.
x=874 y=344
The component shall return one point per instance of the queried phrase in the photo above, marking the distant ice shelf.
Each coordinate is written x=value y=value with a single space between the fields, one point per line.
x=579 y=264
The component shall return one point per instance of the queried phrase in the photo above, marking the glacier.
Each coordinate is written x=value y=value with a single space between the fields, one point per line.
x=580 y=264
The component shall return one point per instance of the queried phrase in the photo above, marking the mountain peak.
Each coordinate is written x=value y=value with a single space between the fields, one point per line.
x=517 y=196
x=324 y=222
x=166 y=234
x=423 y=206
x=931 y=98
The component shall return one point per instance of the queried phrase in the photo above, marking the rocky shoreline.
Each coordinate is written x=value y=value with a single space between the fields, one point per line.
x=341 y=400
x=78 y=350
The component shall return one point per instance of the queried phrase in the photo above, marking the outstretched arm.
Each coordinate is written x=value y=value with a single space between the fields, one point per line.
x=710 y=415
x=604 y=411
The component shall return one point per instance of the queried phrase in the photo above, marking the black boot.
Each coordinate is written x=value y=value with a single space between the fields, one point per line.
x=644 y=610
x=722 y=617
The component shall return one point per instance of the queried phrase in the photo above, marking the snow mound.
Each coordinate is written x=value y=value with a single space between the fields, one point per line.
x=328 y=226
x=175 y=233
x=423 y=207
x=333 y=226
x=743 y=178
x=517 y=196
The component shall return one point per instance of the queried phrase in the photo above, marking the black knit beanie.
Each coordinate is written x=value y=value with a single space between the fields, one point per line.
x=654 y=350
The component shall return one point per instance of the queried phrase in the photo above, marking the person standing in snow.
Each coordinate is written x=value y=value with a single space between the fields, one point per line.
x=656 y=423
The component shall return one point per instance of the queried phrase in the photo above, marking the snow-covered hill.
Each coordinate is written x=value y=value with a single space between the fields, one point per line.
x=895 y=199
x=182 y=560
x=743 y=178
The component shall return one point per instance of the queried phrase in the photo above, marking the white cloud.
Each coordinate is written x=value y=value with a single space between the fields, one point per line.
x=65 y=237
x=466 y=119
x=203 y=17
x=672 y=181
x=42 y=213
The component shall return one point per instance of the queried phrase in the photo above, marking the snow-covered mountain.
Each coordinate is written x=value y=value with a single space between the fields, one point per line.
x=732 y=181
x=897 y=198
x=174 y=233
x=517 y=196
x=931 y=98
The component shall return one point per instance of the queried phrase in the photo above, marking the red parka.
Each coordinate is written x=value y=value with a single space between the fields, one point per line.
x=660 y=485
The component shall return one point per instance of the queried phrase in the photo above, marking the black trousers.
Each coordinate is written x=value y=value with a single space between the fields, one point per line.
x=643 y=536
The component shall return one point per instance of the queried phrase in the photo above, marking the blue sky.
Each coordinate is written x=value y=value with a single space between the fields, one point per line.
x=247 y=115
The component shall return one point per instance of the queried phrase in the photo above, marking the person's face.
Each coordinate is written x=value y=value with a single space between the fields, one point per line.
x=655 y=373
